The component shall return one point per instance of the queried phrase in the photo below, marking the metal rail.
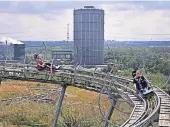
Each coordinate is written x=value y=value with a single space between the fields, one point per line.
x=142 y=114
x=151 y=116
x=164 y=114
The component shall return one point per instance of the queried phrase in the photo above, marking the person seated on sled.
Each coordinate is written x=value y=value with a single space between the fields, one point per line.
x=141 y=84
x=40 y=62
x=137 y=81
x=145 y=83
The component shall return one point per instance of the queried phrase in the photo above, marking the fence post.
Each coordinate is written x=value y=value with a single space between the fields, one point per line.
x=110 y=112
x=64 y=86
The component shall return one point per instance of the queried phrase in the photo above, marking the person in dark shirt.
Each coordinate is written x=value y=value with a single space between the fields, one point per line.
x=140 y=82
x=137 y=81
x=145 y=83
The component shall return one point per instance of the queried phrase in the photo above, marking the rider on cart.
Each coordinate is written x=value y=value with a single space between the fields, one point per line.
x=41 y=64
x=140 y=82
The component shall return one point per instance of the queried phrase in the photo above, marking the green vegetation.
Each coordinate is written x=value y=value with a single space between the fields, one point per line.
x=30 y=51
x=80 y=106
x=153 y=62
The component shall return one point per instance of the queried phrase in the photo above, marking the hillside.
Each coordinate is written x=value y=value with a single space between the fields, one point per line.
x=78 y=106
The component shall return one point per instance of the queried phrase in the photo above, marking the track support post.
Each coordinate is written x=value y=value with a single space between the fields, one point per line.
x=64 y=86
x=110 y=112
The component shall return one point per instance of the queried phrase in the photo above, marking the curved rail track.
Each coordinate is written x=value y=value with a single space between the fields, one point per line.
x=144 y=113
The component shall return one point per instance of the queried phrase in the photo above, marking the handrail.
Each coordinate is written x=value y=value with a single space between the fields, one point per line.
x=129 y=117
x=151 y=117
x=99 y=81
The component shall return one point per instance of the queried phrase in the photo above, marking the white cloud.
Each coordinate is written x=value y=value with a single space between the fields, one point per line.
x=36 y=27
x=134 y=22
x=120 y=24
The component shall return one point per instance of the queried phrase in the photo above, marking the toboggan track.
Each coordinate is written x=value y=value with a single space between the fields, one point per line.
x=144 y=112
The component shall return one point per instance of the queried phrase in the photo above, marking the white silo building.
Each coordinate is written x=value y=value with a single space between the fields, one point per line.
x=88 y=36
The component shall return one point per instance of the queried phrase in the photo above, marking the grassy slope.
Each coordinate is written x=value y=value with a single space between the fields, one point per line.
x=77 y=101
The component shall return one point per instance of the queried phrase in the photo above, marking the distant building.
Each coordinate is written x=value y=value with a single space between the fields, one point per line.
x=19 y=52
x=62 y=57
x=88 y=36
x=11 y=49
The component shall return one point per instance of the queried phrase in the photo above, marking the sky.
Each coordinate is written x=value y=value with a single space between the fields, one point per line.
x=47 y=20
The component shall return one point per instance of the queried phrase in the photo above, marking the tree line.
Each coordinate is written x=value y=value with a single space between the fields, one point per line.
x=151 y=59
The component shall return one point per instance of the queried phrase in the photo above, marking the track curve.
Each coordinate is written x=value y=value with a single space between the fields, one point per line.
x=144 y=112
